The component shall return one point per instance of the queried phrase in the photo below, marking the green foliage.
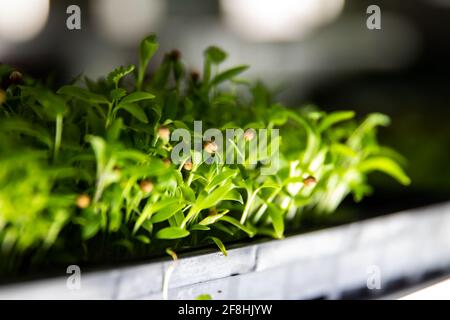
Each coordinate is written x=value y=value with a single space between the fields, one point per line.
x=86 y=167
x=148 y=48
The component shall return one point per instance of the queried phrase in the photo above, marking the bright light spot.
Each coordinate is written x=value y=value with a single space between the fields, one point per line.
x=439 y=291
x=275 y=20
x=21 y=20
x=127 y=22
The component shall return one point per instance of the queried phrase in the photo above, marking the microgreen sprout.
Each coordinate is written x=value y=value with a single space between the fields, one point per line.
x=90 y=166
x=83 y=201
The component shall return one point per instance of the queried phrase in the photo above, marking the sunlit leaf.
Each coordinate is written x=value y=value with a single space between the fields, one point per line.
x=387 y=166
x=335 y=117
x=172 y=233
x=239 y=225
x=212 y=218
x=167 y=212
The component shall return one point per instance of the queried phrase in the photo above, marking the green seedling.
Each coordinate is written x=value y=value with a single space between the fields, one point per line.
x=86 y=171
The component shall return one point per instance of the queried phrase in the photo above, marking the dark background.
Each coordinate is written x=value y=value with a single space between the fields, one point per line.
x=401 y=70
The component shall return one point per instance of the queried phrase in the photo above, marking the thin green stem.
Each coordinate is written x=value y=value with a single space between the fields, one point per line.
x=140 y=79
x=263 y=208
x=248 y=205
x=58 y=136
x=109 y=115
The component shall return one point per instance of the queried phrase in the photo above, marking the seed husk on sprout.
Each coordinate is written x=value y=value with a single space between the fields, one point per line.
x=15 y=76
x=117 y=169
x=175 y=55
x=146 y=186
x=249 y=135
x=195 y=76
x=188 y=165
x=164 y=133
x=309 y=181
x=210 y=146
x=83 y=201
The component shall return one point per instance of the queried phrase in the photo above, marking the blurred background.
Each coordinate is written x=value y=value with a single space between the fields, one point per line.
x=310 y=51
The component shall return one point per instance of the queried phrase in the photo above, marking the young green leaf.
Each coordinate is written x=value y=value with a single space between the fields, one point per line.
x=117 y=94
x=212 y=218
x=167 y=212
x=143 y=239
x=372 y=120
x=335 y=117
x=53 y=104
x=199 y=227
x=135 y=110
x=170 y=233
x=118 y=73
x=387 y=166
x=188 y=193
x=219 y=226
x=89 y=231
x=147 y=49
x=234 y=195
x=23 y=127
x=215 y=55
x=343 y=150
x=239 y=225
x=137 y=96
x=210 y=200
x=150 y=208
x=219 y=244
x=227 y=75
x=205 y=201
x=225 y=175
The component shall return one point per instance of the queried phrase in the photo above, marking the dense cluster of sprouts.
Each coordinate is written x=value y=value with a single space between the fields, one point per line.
x=86 y=171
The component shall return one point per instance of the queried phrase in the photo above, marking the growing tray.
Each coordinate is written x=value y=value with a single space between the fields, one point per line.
x=320 y=264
